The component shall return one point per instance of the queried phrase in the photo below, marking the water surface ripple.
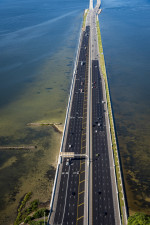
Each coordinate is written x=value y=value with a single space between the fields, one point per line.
x=38 y=41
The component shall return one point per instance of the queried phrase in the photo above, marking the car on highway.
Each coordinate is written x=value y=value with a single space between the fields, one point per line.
x=67 y=162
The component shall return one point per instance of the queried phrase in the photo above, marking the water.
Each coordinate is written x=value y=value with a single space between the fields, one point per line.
x=38 y=41
x=125 y=29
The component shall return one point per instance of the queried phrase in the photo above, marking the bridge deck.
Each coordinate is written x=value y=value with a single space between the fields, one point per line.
x=71 y=202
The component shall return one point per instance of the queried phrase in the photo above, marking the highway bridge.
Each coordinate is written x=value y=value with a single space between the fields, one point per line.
x=85 y=190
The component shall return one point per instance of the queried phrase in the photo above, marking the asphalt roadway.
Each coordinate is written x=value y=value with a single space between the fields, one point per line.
x=103 y=210
x=70 y=203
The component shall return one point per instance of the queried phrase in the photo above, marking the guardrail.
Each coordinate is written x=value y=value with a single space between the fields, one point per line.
x=110 y=139
x=65 y=125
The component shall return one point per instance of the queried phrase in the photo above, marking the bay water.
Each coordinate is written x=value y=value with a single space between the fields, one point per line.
x=125 y=30
x=38 y=43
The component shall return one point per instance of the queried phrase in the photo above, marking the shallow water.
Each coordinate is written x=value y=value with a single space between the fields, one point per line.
x=125 y=30
x=38 y=41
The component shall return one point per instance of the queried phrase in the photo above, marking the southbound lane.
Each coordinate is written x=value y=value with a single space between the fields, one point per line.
x=103 y=209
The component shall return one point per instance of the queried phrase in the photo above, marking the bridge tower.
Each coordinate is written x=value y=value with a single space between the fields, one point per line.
x=91 y=4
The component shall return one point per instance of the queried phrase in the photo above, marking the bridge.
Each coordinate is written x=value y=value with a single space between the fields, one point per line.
x=85 y=188
x=72 y=155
